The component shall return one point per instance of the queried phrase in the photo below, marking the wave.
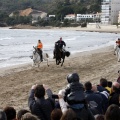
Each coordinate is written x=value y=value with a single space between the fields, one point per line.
x=19 y=57
x=2 y=45
x=6 y=38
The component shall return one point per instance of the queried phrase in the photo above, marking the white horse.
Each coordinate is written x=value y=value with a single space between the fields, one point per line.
x=36 y=58
x=117 y=52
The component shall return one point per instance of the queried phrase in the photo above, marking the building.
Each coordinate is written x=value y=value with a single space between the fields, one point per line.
x=119 y=17
x=30 y=12
x=70 y=17
x=51 y=15
x=93 y=17
x=109 y=11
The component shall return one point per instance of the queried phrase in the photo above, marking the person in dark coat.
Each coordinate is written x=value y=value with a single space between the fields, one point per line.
x=114 y=96
x=102 y=86
x=94 y=100
x=74 y=96
x=37 y=103
x=74 y=92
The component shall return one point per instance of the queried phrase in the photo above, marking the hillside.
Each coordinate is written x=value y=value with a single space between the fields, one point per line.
x=51 y=5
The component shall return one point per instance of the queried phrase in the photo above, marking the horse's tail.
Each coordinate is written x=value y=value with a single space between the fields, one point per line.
x=67 y=53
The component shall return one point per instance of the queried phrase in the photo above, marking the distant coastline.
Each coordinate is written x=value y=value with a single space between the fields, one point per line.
x=89 y=28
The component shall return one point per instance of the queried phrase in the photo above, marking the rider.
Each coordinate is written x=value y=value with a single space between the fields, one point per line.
x=117 y=45
x=60 y=43
x=39 y=48
x=118 y=42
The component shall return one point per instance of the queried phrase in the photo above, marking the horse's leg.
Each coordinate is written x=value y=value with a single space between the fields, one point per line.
x=47 y=63
x=39 y=64
x=63 y=60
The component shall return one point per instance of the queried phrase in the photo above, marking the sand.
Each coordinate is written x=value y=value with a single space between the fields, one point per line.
x=16 y=81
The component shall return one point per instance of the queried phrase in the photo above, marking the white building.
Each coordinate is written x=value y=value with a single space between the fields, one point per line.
x=119 y=17
x=51 y=15
x=70 y=17
x=109 y=11
x=87 y=16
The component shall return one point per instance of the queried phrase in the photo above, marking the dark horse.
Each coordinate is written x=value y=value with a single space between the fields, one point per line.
x=60 y=55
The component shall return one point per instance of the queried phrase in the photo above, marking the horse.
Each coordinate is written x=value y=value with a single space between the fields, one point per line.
x=117 y=52
x=60 y=55
x=36 y=57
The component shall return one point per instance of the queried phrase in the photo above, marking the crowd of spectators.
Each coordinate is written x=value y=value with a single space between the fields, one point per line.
x=76 y=101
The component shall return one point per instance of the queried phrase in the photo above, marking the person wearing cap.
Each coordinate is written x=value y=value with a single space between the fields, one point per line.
x=39 y=48
x=74 y=92
x=73 y=97
x=60 y=43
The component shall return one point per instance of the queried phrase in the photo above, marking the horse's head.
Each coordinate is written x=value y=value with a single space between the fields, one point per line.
x=34 y=50
x=35 y=53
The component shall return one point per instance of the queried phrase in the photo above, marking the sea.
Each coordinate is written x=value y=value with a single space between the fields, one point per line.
x=16 y=45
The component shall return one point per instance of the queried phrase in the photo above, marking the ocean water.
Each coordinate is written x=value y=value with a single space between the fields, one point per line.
x=16 y=46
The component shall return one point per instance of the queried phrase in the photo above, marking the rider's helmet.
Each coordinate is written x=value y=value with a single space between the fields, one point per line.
x=39 y=41
x=60 y=38
x=74 y=77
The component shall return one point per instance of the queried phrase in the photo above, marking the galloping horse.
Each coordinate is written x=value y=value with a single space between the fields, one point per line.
x=36 y=57
x=60 y=55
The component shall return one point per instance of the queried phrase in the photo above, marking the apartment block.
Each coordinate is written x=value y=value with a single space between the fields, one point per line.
x=110 y=11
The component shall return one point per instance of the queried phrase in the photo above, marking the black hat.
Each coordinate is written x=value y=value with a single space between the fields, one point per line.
x=74 y=77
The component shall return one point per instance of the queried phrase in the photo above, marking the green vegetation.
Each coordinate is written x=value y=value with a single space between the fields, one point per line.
x=59 y=8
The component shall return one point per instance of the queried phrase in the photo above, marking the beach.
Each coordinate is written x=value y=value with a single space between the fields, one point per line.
x=91 y=27
x=16 y=81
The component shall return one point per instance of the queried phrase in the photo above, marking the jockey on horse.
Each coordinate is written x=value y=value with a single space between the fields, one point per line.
x=60 y=43
x=39 y=49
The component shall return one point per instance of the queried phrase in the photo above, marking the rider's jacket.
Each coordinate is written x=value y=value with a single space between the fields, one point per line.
x=40 y=45
x=61 y=43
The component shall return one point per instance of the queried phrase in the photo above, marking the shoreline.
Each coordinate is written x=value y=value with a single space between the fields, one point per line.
x=89 y=28
x=25 y=66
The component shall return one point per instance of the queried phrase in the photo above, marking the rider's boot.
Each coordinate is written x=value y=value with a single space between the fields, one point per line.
x=41 y=58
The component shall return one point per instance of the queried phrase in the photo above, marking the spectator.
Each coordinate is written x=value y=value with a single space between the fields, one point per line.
x=112 y=113
x=109 y=85
x=103 y=85
x=56 y=114
x=2 y=115
x=40 y=106
x=114 y=96
x=29 y=116
x=104 y=95
x=10 y=113
x=20 y=113
x=75 y=91
x=94 y=100
x=69 y=115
